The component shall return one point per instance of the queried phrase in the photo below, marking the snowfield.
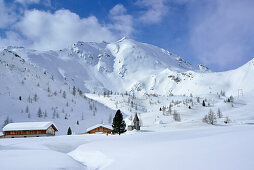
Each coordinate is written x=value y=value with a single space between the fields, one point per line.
x=83 y=85
x=220 y=148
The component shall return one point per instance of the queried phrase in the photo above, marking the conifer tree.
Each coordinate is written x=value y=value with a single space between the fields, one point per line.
x=74 y=91
x=203 y=104
x=35 y=97
x=69 y=131
x=118 y=123
x=39 y=113
x=64 y=94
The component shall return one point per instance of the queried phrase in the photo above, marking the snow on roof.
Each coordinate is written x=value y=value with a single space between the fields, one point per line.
x=99 y=125
x=27 y=126
x=1 y=134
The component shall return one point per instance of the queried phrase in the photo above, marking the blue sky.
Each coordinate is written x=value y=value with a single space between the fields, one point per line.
x=216 y=33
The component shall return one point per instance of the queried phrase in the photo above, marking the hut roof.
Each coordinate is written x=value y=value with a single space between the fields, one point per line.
x=28 y=126
x=99 y=125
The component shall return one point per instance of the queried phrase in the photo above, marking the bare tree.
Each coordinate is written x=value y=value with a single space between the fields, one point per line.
x=210 y=118
x=219 y=113
x=176 y=116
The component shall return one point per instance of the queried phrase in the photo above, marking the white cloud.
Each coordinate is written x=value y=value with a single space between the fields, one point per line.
x=222 y=31
x=12 y=39
x=47 y=30
x=26 y=2
x=7 y=16
x=118 y=9
x=154 y=10
x=122 y=22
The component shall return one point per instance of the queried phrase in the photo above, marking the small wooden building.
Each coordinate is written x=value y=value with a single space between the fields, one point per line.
x=100 y=128
x=29 y=129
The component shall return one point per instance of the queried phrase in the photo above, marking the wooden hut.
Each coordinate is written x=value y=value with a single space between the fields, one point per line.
x=100 y=128
x=29 y=129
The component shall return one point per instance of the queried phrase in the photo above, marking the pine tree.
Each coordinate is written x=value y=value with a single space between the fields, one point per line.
x=69 y=131
x=64 y=94
x=203 y=104
x=39 y=113
x=45 y=114
x=74 y=91
x=35 y=97
x=118 y=123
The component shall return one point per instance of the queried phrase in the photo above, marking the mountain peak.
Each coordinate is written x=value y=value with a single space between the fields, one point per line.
x=122 y=39
x=203 y=68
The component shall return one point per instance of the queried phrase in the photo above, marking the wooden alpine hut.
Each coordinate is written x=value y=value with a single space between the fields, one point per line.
x=29 y=129
x=100 y=128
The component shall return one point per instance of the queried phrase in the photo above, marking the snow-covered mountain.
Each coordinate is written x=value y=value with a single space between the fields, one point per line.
x=128 y=65
x=103 y=66
x=32 y=79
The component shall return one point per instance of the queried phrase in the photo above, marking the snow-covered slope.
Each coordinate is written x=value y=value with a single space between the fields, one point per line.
x=126 y=65
x=31 y=93
x=104 y=66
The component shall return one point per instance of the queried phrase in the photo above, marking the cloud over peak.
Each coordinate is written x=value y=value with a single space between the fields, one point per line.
x=55 y=30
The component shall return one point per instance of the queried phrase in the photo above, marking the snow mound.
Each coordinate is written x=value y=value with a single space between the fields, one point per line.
x=92 y=159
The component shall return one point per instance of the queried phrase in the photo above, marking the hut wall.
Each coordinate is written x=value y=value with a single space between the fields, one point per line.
x=100 y=129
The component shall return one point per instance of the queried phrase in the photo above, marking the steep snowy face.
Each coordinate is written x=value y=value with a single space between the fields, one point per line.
x=132 y=57
x=104 y=66
x=89 y=52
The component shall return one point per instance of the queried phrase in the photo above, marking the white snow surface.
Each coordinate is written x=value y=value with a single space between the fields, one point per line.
x=219 y=148
x=28 y=126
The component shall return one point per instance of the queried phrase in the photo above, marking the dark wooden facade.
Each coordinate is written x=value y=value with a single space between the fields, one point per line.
x=25 y=132
x=50 y=131
x=100 y=129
